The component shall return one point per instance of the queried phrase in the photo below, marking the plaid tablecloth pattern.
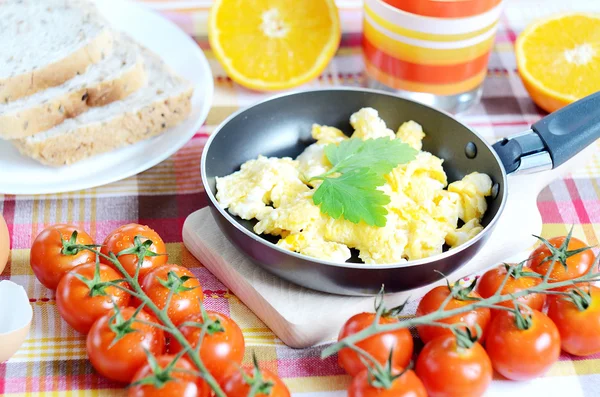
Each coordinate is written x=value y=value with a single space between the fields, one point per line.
x=53 y=359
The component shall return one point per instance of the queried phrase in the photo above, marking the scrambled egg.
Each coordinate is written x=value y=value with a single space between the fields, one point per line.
x=423 y=213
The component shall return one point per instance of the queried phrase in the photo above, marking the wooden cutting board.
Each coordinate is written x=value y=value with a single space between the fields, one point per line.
x=302 y=317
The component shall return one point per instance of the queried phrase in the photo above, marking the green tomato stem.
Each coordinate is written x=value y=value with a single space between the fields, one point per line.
x=167 y=324
x=507 y=277
x=367 y=355
x=119 y=286
x=447 y=299
x=137 y=320
x=431 y=318
x=254 y=389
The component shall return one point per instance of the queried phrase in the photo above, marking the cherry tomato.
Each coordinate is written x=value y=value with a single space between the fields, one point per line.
x=188 y=294
x=123 y=238
x=448 y=370
x=433 y=300
x=577 y=265
x=378 y=346
x=182 y=384
x=491 y=281
x=579 y=329
x=234 y=385
x=522 y=354
x=81 y=306
x=49 y=258
x=121 y=360
x=219 y=349
x=407 y=385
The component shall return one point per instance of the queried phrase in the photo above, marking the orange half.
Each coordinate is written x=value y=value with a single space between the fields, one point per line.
x=274 y=44
x=559 y=59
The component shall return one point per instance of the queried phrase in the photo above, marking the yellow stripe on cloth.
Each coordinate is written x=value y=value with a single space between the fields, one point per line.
x=318 y=383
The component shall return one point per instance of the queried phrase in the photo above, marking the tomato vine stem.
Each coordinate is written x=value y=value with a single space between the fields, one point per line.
x=440 y=314
x=167 y=325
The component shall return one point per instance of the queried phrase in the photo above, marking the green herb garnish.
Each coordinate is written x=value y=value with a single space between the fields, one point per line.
x=349 y=189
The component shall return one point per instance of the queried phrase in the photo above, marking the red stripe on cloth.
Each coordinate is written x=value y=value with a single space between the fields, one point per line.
x=351 y=40
x=421 y=73
x=2 y=378
x=550 y=212
x=9 y=218
x=593 y=210
x=510 y=33
x=220 y=292
x=577 y=202
x=45 y=383
x=9 y=212
x=297 y=367
x=167 y=228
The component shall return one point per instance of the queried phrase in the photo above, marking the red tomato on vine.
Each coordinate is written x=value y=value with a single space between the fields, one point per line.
x=449 y=369
x=223 y=344
x=568 y=256
x=378 y=346
x=578 y=320
x=521 y=278
x=117 y=343
x=163 y=377
x=186 y=298
x=456 y=297
x=82 y=295
x=132 y=242
x=53 y=253
x=522 y=346
x=238 y=383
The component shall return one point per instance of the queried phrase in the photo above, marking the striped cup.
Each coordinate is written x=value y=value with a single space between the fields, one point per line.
x=435 y=47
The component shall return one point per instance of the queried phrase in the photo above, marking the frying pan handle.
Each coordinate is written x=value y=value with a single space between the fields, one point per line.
x=554 y=139
x=571 y=129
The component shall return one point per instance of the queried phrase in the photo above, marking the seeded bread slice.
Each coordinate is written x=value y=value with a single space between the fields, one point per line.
x=163 y=103
x=110 y=80
x=44 y=43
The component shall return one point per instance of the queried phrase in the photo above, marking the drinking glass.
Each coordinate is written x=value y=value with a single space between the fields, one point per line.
x=432 y=51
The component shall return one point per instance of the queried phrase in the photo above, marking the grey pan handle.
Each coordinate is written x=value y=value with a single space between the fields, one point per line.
x=554 y=139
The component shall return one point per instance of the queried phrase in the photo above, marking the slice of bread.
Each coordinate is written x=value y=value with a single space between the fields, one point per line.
x=112 y=79
x=44 y=43
x=163 y=103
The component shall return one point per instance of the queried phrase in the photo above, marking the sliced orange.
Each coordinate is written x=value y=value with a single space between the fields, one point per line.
x=558 y=59
x=274 y=44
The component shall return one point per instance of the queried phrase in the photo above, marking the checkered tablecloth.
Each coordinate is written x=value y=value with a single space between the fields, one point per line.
x=53 y=359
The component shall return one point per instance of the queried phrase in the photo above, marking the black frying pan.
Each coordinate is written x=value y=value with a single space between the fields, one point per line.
x=281 y=126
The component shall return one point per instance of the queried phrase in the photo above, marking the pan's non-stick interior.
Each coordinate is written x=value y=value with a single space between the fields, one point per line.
x=282 y=127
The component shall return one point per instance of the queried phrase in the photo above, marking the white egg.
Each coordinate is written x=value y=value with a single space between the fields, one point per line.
x=15 y=318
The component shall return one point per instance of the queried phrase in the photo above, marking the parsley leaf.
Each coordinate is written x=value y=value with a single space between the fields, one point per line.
x=353 y=195
x=349 y=189
x=379 y=155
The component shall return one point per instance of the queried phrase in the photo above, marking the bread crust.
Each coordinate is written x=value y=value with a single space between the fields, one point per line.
x=56 y=73
x=29 y=121
x=130 y=127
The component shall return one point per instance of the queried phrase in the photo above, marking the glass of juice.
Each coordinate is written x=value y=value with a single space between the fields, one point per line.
x=432 y=51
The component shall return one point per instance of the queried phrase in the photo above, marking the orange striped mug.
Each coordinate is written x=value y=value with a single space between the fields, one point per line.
x=434 y=51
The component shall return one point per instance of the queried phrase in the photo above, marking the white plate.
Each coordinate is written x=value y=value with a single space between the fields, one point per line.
x=21 y=175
